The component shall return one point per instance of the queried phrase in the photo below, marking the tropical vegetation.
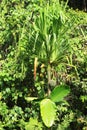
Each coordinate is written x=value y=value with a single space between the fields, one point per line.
x=43 y=65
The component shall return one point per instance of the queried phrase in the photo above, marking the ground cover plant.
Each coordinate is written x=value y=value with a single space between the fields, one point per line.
x=43 y=66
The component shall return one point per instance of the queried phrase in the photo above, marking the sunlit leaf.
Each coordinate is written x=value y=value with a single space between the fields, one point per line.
x=48 y=112
x=30 y=98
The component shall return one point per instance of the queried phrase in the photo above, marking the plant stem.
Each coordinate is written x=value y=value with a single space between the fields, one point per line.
x=49 y=77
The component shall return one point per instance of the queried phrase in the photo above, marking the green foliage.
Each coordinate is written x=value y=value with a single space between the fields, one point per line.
x=50 y=36
x=83 y=98
x=33 y=125
x=48 y=106
x=65 y=124
x=56 y=35
x=10 y=118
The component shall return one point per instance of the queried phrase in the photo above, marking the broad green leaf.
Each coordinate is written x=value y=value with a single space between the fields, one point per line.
x=59 y=93
x=48 y=112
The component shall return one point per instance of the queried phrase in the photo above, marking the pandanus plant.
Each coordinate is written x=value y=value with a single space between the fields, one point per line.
x=50 y=40
x=51 y=47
